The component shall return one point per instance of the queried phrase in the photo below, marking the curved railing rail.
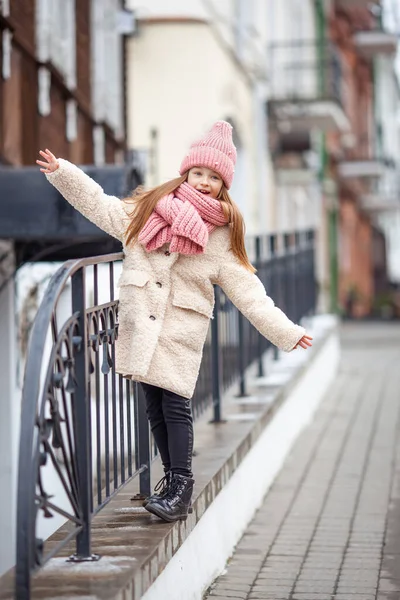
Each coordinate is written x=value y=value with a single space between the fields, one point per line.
x=84 y=431
x=56 y=414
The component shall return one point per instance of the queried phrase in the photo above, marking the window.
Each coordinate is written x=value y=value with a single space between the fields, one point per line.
x=44 y=84
x=99 y=145
x=71 y=120
x=107 y=63
x=56 y=38
x=5 y=8
x=6 y=53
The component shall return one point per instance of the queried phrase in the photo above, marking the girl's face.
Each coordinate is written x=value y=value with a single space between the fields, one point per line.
x=205 y=180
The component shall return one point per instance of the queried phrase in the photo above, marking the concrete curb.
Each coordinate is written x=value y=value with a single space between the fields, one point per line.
x=203 y=555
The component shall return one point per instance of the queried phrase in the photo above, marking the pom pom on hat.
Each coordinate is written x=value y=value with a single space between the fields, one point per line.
x=215 y=151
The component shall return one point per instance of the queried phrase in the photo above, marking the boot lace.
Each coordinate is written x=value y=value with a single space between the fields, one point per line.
x=162 y=485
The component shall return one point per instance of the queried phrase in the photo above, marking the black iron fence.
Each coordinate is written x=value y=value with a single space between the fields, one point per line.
x=84 y=431
x=305 y=70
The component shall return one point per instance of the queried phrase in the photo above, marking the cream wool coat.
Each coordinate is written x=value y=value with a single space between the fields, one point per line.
x=167 y=300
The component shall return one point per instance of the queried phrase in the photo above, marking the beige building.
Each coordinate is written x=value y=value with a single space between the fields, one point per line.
x=190 y=64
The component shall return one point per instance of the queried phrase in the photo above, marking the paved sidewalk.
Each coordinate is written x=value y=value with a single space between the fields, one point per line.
x=329 y=528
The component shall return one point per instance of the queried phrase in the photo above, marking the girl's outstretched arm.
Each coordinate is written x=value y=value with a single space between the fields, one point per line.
x=107 y=212
x=248 y=294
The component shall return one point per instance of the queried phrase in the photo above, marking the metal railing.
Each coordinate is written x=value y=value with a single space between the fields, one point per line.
x=305 y=71
x=84 y=430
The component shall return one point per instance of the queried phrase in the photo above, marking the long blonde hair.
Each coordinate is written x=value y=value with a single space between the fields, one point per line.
x=144 y=202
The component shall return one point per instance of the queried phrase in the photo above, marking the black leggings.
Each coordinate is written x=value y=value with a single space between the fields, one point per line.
x=171 y=423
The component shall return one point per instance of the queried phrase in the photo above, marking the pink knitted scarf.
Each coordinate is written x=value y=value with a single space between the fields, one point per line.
x=184 y=219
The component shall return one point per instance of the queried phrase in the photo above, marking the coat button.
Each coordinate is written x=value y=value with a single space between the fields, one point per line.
x=158 y=284
x=167 y=253
x=152 y=317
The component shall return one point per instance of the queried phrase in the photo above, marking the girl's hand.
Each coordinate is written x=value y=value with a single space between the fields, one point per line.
x=305 y=342
x=51 y=163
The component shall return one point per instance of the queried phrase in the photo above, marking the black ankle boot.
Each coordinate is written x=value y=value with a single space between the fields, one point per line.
x=175 y=504
x=160 y=489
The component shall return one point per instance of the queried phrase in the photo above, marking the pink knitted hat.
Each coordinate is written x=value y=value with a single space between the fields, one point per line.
x=215 y=151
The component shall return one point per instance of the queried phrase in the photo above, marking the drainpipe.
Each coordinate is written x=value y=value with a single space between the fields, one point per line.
x=332 y=210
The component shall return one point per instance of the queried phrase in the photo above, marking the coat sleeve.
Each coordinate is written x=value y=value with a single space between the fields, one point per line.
x=248 y=294
x=87 y=196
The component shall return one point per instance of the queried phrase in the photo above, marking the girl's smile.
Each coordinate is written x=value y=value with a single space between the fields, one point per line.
x=205 y=180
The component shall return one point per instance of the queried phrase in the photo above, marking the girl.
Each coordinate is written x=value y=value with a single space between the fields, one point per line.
x=179 y=239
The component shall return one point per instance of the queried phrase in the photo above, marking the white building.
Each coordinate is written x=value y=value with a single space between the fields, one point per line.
x=298 y=115
x=387 y=197
x=387 y=115
x=192 y=63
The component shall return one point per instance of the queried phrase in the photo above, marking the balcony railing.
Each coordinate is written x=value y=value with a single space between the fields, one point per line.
x=84 y=431
x=384 y=193
x=305 y=70
x=306 y=85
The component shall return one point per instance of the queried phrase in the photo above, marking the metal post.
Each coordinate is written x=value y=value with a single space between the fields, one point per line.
x=216 y=360
x=259 y=337
x=297 y=278
x=82 y=425
x=303 y=276
x=288 y=275
x=242 y=362
x=144 y=444
x=313 y=282
x=273 y=246
x=306 y=290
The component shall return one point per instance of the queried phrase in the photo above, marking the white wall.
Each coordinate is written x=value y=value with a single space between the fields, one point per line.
x=388 y=115
x=240 y=25
x=291 y=20
x=196 y=9
x=9 y=427
x=298 y=207
x=390 y=224
x=387 y=105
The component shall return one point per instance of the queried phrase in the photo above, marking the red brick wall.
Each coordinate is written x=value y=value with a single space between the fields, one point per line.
x=355 y=253
x=22 y=130
x=22 y=14
x=52 y=127
x=81 y=149
x=12 y=140
x=355 y=232
x=29 y=114
x=83 y=51
x=357 y=79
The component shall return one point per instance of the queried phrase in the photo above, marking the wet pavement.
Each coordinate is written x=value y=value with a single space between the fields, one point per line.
x=329 y=527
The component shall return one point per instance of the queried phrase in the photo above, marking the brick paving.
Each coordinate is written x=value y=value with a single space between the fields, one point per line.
x=329 y=527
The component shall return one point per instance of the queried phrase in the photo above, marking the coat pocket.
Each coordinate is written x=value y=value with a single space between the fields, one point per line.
x=133 y=277
x=192 y=301
x=132 y=297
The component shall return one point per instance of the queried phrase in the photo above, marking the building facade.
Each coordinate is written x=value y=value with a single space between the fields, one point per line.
x=326 y=62
x=291 y=77
x=365 y=160
x=57 y=90
x=61 y=87
x=190 y=64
